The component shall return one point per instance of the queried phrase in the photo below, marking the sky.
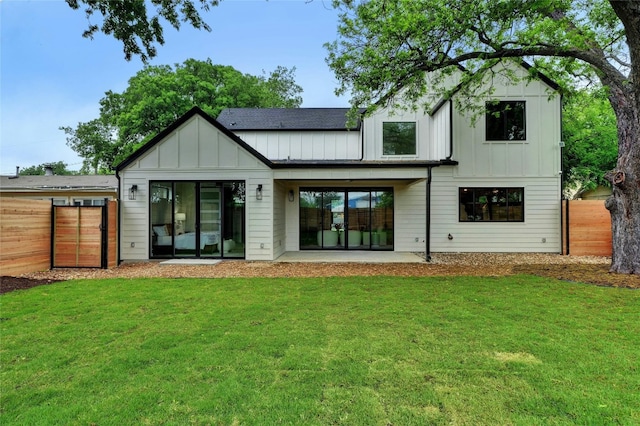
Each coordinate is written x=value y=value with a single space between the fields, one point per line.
x=50 y=76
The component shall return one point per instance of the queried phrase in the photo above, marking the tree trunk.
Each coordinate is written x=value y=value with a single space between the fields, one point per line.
x=624 y=203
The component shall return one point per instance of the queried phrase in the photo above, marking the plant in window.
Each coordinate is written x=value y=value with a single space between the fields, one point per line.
x=505 y=121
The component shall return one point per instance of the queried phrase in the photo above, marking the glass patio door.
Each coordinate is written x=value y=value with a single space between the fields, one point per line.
x=197 y=219
x=357 y=219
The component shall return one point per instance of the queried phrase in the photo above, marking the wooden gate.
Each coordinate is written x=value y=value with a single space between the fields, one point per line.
x=79 y=237
x=586 y=228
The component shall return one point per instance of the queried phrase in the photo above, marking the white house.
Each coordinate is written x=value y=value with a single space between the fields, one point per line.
x=255 y=183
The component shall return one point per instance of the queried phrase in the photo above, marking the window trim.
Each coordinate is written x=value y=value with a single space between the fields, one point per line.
x=471 y=192
x=488 y=113
x=415 y=139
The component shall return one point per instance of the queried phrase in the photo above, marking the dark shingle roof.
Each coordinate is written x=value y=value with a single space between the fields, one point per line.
x=286 y=119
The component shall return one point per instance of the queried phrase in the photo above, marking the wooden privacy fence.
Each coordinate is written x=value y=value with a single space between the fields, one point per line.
x=25 y=236
x=36 y=236
x=586 y=227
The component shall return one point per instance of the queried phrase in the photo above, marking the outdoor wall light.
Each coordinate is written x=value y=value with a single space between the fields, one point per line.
x=259 y=192
x=132 y=192
x=291 y=195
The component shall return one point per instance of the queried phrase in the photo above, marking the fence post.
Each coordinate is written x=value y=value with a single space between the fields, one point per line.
x=53 y=235
x=104 y=235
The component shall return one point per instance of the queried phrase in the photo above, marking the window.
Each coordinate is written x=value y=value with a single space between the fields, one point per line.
x=491 y=204
x=506 y=121
x=399 y=138
x=88 y=202
x=197 y=219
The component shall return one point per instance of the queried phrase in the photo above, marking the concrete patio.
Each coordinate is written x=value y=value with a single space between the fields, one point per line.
x=322 y=256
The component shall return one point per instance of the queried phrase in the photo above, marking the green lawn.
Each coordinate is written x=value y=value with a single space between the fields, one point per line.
x=368 y=351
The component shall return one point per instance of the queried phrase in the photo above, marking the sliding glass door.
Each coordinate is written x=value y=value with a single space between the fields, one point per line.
x=352 y=219
x=197 y=219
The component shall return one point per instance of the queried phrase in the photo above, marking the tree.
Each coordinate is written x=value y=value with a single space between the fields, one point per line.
x=59 y=168
x=95 y=142
x=386 y=46
x=129 y=22
x=158 y=95
x=590 y=136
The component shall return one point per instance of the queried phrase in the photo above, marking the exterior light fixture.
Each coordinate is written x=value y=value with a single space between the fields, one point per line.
x=291 y=195
x=132 y=192
x=259 y=192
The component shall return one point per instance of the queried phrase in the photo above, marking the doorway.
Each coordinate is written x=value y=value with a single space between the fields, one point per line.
x=197 y=219
x=346 y=219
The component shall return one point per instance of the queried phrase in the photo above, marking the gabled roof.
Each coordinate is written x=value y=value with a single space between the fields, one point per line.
x=179 y=122
x=287 y=119
x=107 y=183
x=540 y=76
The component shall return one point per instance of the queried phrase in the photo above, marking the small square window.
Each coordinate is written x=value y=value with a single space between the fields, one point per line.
x=506 y=121
x=399 y=138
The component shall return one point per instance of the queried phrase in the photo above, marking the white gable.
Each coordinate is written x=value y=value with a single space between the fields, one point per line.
x=196 y=145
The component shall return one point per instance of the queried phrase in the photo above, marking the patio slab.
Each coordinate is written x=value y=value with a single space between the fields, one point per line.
x=191 y=262
x=324 y=256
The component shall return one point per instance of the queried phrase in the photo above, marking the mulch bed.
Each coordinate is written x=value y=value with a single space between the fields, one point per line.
x=8 y=284
x=576 y=270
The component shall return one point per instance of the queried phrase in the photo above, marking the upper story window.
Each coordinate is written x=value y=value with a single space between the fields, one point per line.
x=506 y=121
x=399 y=138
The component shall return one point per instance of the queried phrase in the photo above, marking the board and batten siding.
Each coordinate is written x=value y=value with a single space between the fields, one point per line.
x=196 y=151
x=280 y=201
x=536 y=156
x=431 y=134
x=307 y=145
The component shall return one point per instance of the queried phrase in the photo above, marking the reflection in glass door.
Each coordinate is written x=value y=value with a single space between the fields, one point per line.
x=209 y=218
x=185 y=220
x=197 y=219
x=340 y=219
x=358 y=220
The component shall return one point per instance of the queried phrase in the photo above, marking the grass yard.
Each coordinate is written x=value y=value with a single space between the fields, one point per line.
x=317 y=351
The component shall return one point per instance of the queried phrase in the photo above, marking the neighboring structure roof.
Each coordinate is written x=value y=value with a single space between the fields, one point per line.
x=108 y=183
x=287 y=119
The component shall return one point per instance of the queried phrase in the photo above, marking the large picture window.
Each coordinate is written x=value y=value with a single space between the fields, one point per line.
x=506 y=121
x=399 y=138
x=491 y=204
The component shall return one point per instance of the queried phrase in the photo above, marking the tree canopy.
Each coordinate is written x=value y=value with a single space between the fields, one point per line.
x=59 y=168
x=386 y=46
x=138 y=24
x=158 y=95
x=591 y=141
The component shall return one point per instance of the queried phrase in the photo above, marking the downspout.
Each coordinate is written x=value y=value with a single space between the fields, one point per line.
x=450 y=130
x=562 y=242
x=361 y=139
x=427 y=253
x=119 y=213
